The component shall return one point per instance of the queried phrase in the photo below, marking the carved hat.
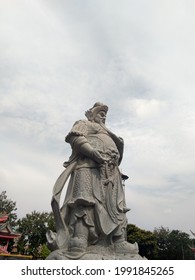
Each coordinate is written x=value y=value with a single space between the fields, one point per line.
x=97 y=107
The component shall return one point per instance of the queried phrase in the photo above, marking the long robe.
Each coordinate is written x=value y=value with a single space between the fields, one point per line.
x=95 y=192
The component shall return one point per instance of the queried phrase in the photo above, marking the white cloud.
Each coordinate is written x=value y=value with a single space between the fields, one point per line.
x=144 y=108
x=57 y=58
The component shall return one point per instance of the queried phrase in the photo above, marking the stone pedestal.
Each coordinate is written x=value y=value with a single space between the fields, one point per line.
x=96 y=253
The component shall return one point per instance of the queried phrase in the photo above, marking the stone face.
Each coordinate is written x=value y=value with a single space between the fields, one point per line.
x=91 y=224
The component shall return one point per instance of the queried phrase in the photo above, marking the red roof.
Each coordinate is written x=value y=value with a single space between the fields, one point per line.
x=6 y=230
x=9 y=235
x=3 y=218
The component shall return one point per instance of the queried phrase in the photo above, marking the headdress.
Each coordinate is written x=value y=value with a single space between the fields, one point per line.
x=97 y=107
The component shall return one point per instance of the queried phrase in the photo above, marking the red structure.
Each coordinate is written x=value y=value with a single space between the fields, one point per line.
x=192 y=248
x=6 y=233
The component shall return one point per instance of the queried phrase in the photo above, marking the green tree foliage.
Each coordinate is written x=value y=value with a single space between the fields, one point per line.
x=173 y=245
x=145 y=239
x=162 y=235
x=33 y=228
x=7 y=206
x=44 y=251
x=161 y=244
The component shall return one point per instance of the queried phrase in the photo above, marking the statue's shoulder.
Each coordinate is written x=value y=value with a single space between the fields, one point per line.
x=81 y=122
x=80 y=127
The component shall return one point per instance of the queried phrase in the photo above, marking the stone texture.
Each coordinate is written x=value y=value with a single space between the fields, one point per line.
x=91 y=224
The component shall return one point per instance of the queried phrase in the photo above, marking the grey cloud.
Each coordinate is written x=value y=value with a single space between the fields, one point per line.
x=57 y=58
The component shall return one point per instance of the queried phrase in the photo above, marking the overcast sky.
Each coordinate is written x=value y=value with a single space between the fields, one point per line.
x=58 y=57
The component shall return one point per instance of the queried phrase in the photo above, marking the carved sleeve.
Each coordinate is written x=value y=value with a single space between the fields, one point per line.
x=77 y=135
x=79 y=143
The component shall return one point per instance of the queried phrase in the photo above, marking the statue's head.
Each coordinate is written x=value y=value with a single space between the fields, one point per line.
x=97 y=113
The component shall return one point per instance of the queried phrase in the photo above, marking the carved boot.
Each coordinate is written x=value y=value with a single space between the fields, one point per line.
x=121 y=246
x=77 y=244
x=125 y=247
x=79 y=241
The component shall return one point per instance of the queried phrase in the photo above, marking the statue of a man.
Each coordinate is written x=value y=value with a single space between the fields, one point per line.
x=93 y=214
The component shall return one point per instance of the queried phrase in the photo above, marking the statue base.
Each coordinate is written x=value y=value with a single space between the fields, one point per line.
x=94 y=253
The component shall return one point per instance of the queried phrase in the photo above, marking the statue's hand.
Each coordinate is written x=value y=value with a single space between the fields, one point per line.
x=87 y=150
x=98 y=157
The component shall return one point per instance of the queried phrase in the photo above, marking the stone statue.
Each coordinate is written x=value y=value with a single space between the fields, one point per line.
x=91 y=223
